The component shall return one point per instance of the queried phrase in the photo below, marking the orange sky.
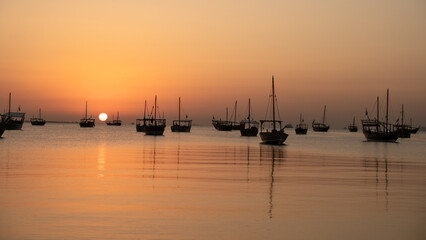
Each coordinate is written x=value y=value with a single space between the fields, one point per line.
x=115 y=54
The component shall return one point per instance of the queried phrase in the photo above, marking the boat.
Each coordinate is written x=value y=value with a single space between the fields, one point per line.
x=155 y=126
x=114 y=122
x=15 y=120
x=352 y=127
x=377 y=131
x=320 y=127
x=413 y=130
x=38 y=121
x=221 y=125
x=87 y=122
x=181 y=125
x=235 y=125
x=270 y=133
x=302 y=127
x=402 y=129
x=141 y=122
x=249 y=127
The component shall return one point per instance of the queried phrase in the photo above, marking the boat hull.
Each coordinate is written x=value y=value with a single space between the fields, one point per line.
x=140 y=128
x=249 y=132
x=236 y=127
x=14 y=124
x=380 y=136
x=155 y=130
x=2 y=128
x=320 y=129
x=353 y=129
x=273 y=137
x=301 y=130
x=177 y=128
x=414 y=130
x=87 y=124
x=114 y=124
x=38 y=123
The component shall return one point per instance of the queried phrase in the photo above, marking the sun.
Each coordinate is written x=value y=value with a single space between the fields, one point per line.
x=103 y=117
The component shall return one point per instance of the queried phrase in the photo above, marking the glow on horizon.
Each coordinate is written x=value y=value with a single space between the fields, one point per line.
x=342 y=54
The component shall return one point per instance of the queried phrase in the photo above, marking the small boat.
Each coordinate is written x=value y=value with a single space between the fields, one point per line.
x=302 y=127
x=87 y=122
x=15 y=120
x=221 y=125
x=249 y=127
x=320 y=127
x=141 y=122
x=114 y=122
x=377 y=131
x=38 y=121
x=352 y=127
x=413 y=130
x=402 y=129
x=181 y=125
x=270 y=133
x=155 y=126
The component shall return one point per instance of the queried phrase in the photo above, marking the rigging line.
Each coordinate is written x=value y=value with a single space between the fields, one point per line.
x=278 y=109
x=267 y=108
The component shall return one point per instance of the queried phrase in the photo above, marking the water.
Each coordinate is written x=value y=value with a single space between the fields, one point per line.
x=64 y=182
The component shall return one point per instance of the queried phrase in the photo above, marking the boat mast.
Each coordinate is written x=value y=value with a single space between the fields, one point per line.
x=117 y=116
x=235 y=114
x=155 y=110
x=249 y=114
x=86 y=110
x=10 y=101
x=323 y=116
x=273 y=102
x=226 y=114
x=39 y=112
x=144 y=112
x=378 y=110
x=179 y=111
x=387 y=109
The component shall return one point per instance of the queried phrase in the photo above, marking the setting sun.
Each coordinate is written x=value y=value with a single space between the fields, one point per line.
x=103 y=116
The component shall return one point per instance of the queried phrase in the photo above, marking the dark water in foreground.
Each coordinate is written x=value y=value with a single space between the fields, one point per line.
x=64 y=182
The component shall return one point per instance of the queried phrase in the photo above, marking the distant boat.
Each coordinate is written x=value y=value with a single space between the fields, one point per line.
x=221 y=125
x=249 y=127
x=269 y=133
x=155 y=126
x=141 y=123
x=413 y=130
x=38 y=121
x=402 y=129
x=87 y=122
x=302 y=127
x=320 y=127
x=15 y=120
x=288 y=125
x=375 y=130
x=114 y=122
x=181 y=125
x=352 y=127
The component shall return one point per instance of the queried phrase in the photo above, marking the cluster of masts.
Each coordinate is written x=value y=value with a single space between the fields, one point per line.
x=271 y=130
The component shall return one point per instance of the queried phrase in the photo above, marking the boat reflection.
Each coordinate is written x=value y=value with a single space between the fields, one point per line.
x=276 y=155
x=101 y=159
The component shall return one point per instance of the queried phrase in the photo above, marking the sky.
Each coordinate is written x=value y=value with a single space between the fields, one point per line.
x=57 y=54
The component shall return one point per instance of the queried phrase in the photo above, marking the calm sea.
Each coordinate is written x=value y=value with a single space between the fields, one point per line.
x=64 y=182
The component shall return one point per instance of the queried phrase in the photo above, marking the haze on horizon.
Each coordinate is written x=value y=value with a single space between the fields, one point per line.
x=115 y=54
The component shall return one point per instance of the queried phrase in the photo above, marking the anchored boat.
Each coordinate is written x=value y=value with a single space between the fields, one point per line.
x=38 y=121
x=114 y=122
x=302 y=127
x=377 y=131
x=352 y=127
x=87 y=122
x=271 y=131
x=155 y=126
x=181 y=125
x=249 y=127
x=321 y=127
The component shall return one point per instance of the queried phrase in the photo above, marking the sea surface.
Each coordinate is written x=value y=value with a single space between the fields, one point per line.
x=61 y=181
